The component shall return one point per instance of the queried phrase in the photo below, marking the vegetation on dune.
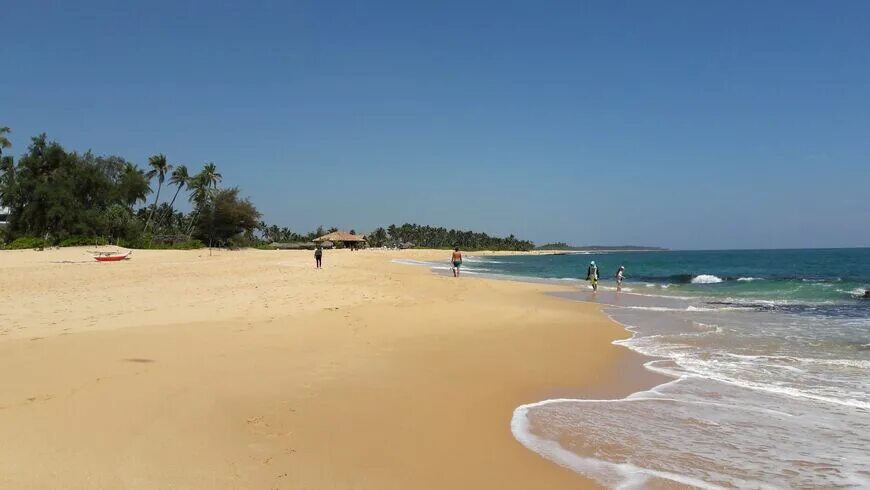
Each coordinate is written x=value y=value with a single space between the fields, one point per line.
x=439 y=237
x=65 y=198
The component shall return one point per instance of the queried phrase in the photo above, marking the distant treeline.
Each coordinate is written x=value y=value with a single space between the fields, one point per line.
x=602 y=248
x=406 y=234
x=438 y=237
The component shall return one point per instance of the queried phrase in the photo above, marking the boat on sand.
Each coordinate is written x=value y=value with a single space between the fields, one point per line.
x=111 y=256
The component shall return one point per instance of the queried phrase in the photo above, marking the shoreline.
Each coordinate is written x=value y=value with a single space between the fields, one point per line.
x=367 y=374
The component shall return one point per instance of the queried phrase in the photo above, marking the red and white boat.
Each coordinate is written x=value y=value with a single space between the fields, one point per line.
x=111 y=256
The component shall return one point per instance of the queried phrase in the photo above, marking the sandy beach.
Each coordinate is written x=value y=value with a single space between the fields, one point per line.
x=251 y=369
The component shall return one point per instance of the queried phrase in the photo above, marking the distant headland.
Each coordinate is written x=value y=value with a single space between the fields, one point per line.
x=560 y=246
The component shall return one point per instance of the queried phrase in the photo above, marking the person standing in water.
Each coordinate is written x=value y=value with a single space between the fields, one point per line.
x=592 y=275
x=620 y=275
x=318 y=256
x=457 y=261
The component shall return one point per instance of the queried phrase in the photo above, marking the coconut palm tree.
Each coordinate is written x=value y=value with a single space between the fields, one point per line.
x=159 y=168
x=210 y=176
x=7 y=169
x=202 y=186
x=4 y=141
x=133 y=185
x=180 y=178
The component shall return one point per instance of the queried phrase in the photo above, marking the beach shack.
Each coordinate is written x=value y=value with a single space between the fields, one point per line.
x=347 y=239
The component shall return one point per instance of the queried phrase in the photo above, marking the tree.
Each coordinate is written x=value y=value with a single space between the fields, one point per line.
x=4 y=141
x=227 y=216
x=378 y=238
x=117 y=219
x=428 y=236
x=203 y=186
x=210 y=177
x=179 y=178
x=7 y=178
x=159 y=168
x=132 y=185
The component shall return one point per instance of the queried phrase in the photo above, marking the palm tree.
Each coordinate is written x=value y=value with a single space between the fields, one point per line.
x=7 y=169
x=203 y=186
x=181 y=178
x=210 y=177
x=159 y=168
x=4 y=141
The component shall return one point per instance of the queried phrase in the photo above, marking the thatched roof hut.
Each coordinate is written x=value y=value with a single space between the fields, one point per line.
x=350 y=240
x=293 y=246
x=340 y=236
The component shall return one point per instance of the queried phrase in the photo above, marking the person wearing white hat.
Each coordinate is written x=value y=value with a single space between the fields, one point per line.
x=592 y=275
x=620 y=275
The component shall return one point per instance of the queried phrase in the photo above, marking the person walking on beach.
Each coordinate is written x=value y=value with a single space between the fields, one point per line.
x=318 y=256
x=592 y=275
x=620 y=275
x=457 y=261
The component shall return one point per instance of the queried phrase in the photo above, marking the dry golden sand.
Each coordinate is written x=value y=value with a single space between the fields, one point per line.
x=254 y=370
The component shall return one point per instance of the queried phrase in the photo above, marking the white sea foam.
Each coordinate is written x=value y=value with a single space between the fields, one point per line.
x=687 y=425
x=720 y=308
x=482 y=260
x=615 y=475
x=688 y=308
x=749 y=279
x=706 y=279
x=418 y=263
x=797 y=413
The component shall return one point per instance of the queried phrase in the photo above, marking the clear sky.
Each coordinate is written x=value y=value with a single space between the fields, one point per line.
x=684 y=124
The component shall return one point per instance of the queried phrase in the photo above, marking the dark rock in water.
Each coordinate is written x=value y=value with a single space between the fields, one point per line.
x=867 y=294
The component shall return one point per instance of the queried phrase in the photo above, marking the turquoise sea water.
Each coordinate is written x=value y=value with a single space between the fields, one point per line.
x=768 y=357
x=799 y=275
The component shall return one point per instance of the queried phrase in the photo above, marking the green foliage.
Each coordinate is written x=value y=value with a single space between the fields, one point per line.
x=432 y=237
x=148 y=245
x=60 y=194
x=378 y=238
x=26 y=242
x=224 y=216
x=273 y=233
x=159 y=168
x=71 y=199
x=78 y=241
x=4 y=141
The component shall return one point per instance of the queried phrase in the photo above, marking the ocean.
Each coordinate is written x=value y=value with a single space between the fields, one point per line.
x=767 y=356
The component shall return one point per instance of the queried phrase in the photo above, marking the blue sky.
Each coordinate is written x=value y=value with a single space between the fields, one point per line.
x=683 y=124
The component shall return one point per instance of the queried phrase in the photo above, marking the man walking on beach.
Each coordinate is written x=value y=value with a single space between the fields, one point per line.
x=457 y=261
x=318 y=256
x=592 y=275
